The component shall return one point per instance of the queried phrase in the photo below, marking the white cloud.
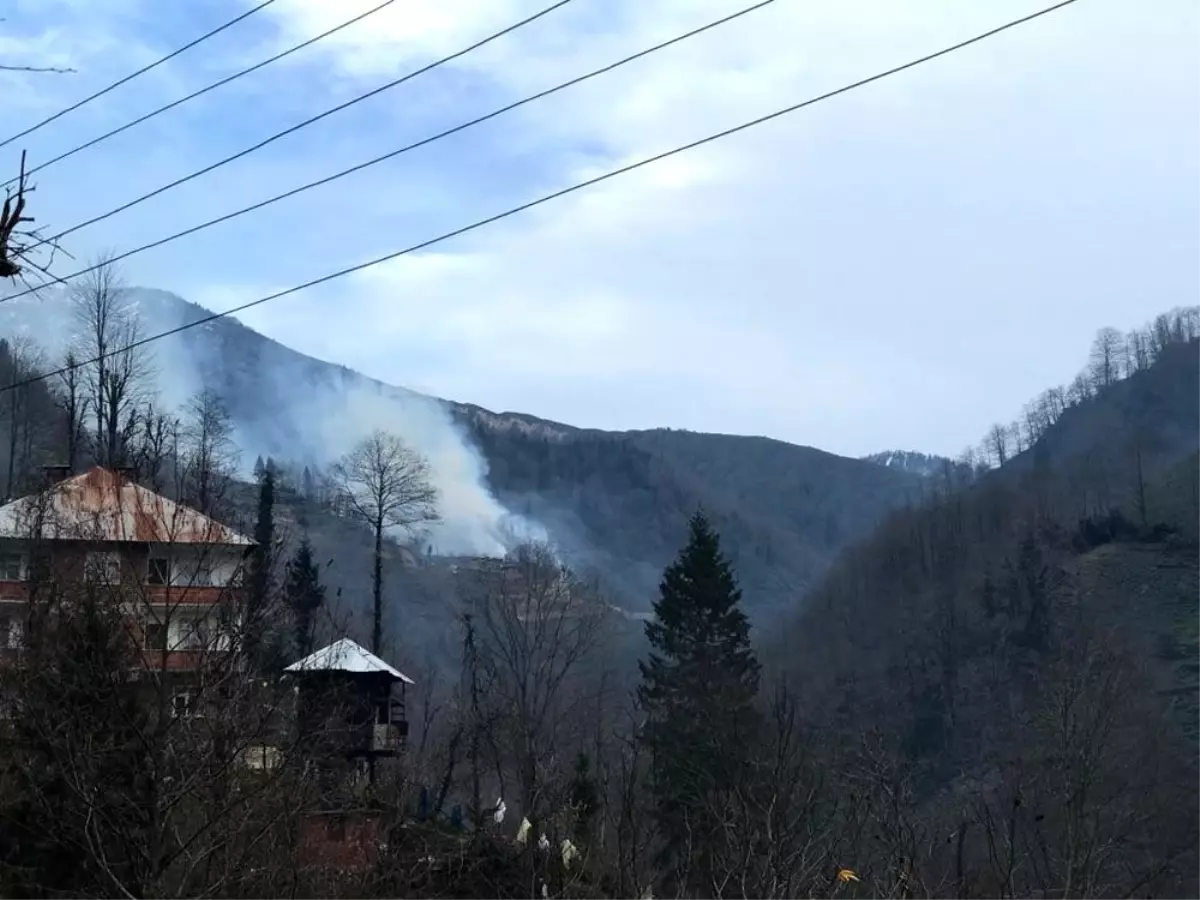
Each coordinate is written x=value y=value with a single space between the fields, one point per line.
x=856 y=275
x=863 y=273
x=391 y=39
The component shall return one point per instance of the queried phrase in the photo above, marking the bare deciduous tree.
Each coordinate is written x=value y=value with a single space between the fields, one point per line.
x=209 y=457
x=1107 y=360
x=73 y=401
x=156 y=451
x=116 y=370
x=20 y=245
x=996 y=444
x=385 y=484
x=539 y=626
x=1137 y=352
x=23 y=361
x=1082 y=806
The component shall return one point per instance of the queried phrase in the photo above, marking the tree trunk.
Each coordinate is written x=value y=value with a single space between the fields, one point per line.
x=12 y=443
x=377 y=587
x=72 y=438
x=1141 y=487
x=113 y=431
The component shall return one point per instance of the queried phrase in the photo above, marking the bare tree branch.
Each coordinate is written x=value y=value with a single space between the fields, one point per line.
x=56 y=70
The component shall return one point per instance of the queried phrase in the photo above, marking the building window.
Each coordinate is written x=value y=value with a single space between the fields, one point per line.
x=103 y=568
x=155 y=636
x=199 y=574
x=197 y=634
x=12 y=567
x=159 y=571
x=204 y=574
x=10 y=633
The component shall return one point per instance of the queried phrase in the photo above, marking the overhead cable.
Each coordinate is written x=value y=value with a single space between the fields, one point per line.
x=405 y=149
x=142 y=71
x=204 y=90
x=480 y=223
x=300 y=125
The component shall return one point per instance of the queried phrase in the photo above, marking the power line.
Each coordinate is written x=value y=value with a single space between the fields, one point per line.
x=349 y=270
x=405 y=149
x=204 y=90
x=329 y=112
x=142 y=71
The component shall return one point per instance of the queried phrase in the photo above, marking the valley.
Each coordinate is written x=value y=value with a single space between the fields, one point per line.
x=615 y=503
x=593 y=449
x=933 y=614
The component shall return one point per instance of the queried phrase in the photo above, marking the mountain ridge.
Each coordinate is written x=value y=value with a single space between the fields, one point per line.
x=927 y=465
x=615 y=502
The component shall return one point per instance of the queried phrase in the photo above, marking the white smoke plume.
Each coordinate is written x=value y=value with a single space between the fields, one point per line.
x=296 y=408
x=473 y=521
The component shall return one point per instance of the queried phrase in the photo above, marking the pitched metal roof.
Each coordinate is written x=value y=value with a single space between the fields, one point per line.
x=346 y=656
x=102 y=505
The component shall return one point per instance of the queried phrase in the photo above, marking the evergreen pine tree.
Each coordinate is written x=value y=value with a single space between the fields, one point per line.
x=698 y=689
x=304 y=595
x=258 y=581
x=260 y=468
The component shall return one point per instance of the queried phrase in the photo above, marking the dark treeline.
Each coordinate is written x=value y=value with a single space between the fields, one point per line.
x=1114 y=356
x=619 y=501
x=1020 y=643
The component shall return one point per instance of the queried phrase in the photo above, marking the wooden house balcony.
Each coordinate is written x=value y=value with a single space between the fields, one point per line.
x=17 y=591
x=152 y=594
x=173 y=660
x=388 y=739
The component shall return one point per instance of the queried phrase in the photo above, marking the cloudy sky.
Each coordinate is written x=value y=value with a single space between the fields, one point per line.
x=896 y=267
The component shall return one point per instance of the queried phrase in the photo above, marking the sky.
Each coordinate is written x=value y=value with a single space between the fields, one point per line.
x=897 y=267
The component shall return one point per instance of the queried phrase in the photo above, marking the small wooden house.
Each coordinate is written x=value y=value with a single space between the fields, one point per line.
x=350 y=713
x=350 y=704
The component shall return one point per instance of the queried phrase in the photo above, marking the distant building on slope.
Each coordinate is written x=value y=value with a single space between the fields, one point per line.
x=171 y=566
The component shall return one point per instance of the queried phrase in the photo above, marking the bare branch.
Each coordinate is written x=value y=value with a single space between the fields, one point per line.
x=55 y=70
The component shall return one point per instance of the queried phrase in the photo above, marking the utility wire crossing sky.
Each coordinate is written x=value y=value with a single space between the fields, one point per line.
x=307 y=122
x=262 y=204
x=228 y=79
x=132 y=75
x=556 y=194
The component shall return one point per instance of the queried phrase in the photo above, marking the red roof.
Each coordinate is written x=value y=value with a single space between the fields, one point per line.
x=102 y=505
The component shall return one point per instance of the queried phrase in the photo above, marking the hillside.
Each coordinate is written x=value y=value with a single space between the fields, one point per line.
x=1046 y=612
x=614 y=502
x=618 y=502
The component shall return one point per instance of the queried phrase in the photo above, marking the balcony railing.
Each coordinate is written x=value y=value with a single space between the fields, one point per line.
x=389 y=738
x=155 y=594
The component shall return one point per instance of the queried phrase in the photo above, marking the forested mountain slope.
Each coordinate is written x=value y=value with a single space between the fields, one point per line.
x=616 y=503
x=1034 y=633
x=926 y=464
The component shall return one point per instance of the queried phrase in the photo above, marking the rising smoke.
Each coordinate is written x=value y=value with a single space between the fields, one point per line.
x=329 y=420
x=297 y=408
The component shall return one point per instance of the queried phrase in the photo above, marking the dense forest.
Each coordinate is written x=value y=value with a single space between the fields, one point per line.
x=980 y=681
x=617 y=501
